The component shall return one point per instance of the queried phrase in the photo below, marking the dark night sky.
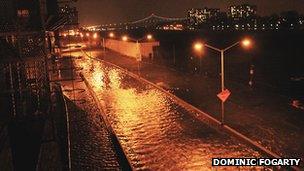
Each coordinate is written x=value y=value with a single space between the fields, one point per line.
x=115 y=11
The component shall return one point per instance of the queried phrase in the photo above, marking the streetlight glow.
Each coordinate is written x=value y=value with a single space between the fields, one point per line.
x=198 y=46
x=246 y=43
x=95 y=35
x=125 y=38
x=87 y=34
x=111 y=35
x=149 y=36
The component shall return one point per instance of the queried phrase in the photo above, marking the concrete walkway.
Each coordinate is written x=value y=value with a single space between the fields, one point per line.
x=92 y=147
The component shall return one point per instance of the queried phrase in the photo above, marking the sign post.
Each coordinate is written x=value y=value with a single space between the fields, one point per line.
x=223 y=96
x=138 y=59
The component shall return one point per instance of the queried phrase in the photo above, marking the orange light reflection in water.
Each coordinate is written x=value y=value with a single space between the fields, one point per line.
x=98 y=79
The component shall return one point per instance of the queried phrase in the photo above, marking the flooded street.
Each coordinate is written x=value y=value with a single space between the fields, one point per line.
x=155 y=131
x=125 y=85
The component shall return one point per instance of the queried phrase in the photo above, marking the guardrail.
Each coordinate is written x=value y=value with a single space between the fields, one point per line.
x=3 y=137
x=68 y=144
x=62 y=126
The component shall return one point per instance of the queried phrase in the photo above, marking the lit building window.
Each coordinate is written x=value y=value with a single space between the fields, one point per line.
x=242 y=11
x=198 y=16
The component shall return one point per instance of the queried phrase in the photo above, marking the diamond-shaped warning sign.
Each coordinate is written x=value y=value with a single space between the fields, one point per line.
x=224 y=95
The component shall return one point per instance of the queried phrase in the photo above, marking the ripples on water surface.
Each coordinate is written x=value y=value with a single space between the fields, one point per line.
x=155 y=132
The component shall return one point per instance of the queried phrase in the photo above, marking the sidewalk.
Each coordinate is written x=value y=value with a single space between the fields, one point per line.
x=6 y=158
x=92 y=147
x=263 y=116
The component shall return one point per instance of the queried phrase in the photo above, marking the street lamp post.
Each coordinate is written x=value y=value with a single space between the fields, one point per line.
x=95 y=36
x=198 y=47
x=139 y=56
x=104 y=45
x=174 y=55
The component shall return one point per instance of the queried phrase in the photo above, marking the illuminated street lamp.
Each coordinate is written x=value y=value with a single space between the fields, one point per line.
x=95 y=35
x=198 y=48
x=149 y=37
x=112 y=35
x=245 y=43
x=124 y=38
x=139 y=57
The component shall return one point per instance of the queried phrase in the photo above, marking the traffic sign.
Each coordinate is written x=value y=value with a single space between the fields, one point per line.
x=224 y=95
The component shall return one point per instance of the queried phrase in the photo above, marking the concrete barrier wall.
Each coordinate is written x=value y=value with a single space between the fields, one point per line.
x=130 y=48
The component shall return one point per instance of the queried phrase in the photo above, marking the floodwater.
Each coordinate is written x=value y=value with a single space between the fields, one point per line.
x=157 y=133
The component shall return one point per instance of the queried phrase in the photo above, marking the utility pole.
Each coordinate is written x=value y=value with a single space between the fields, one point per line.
x=174 y=55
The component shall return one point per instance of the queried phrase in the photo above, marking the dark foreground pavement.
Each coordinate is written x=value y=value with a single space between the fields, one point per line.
x=92 y=147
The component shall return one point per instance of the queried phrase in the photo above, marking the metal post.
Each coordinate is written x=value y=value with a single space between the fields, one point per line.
x=139 y=56
x=23 y=100
x=36 y=67
x=251 y=72
x=104 y=46
x=223 y=83
x=201 y=69
x=222 y=71
x=174 y=56
x=90 y=42
x=12 y=91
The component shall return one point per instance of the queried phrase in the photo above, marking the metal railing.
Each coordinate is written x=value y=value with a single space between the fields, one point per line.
x=62 y=127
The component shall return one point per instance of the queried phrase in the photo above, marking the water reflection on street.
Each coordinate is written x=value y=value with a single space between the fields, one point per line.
x=156 y=132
